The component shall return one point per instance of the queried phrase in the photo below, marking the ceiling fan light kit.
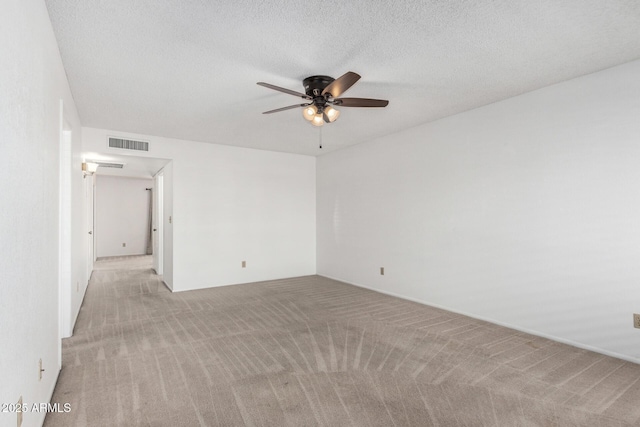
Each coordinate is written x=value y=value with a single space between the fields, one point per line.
x=322 y=94
x=317 y=120
x=331 y=114
x=309 y=112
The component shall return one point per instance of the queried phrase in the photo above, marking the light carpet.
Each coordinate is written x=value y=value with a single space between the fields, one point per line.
x=313 y=351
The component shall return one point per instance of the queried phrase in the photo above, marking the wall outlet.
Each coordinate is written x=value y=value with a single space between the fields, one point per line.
x=244 y=264
x=77 y=286
x=19 y=412
x=636 y=320
x=382 y=271
x=40 y=370
x=124 y=245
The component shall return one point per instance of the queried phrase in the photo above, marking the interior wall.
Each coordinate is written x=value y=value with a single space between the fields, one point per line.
x=167 y=226
x=525 y=212
x=228 y=205
x=122 y=215
x=32 y=83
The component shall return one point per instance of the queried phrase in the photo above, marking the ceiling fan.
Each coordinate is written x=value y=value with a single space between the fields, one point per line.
x=322 y=94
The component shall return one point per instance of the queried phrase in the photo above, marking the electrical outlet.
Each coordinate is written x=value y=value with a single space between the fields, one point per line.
x=40 y=370
x=636 y=320
x=19 y=411
x=244 y=264
x=77 y=286
x=382 y=271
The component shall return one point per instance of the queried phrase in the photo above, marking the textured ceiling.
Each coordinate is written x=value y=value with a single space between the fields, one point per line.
x=188 y=68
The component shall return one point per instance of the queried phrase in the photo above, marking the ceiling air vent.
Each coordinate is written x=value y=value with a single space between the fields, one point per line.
x=128 y=144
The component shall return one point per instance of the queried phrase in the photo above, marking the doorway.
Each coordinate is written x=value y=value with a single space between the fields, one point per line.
x=159 y=172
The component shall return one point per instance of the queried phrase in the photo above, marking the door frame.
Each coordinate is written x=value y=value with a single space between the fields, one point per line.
x=89 y=194
x=158 y=221
x=65 y=275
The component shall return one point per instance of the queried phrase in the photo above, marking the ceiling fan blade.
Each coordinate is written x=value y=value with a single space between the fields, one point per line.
x=290 y=107
x=341 y=84
x=281 y=89
x=360 y=102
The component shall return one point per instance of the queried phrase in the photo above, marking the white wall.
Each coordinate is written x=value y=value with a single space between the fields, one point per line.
x=167 y=227
x=32 y=83
x=122 y=215
x=525 y=212
x=229 y=205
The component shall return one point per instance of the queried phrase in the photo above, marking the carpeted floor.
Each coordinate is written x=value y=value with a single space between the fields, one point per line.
x=312 y=351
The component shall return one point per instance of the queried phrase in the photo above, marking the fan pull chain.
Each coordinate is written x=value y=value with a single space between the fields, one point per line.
x=320 y=138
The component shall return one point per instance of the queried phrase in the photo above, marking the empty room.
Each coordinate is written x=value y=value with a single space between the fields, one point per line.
x=277 y=213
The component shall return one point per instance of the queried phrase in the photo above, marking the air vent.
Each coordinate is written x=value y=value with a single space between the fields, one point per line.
x=128 y=144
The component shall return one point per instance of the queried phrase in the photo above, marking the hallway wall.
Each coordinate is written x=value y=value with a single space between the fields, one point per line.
x=122 y=215
x=32 y=84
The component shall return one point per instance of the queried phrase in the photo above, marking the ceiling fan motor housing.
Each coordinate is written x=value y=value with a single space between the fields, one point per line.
x=314 y=85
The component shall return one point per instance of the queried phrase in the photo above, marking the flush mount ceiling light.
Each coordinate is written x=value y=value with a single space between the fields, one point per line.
x=323 y=93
